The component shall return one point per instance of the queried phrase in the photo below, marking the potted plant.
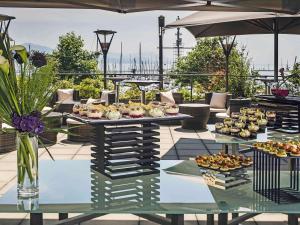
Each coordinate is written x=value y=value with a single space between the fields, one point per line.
x=23 y=96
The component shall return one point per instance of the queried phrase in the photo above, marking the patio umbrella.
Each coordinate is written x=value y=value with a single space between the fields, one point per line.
x=286 y=6
x=122 y=6
x=208 y=24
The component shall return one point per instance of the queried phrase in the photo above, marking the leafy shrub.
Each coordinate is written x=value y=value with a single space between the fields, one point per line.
x=64 y=84
x=90 y=88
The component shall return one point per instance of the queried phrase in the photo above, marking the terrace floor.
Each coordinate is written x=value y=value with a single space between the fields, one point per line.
x=176 y=143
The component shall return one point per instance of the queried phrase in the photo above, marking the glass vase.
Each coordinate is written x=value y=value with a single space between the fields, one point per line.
x=27 y=163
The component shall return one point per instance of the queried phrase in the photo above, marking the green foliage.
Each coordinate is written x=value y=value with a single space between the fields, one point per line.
x=90 y=88
x=294 y=80
x=64 y=84
x=26 y=92
x=197 y=92
x=208 y=57
x=131 y=93
x=72 y=57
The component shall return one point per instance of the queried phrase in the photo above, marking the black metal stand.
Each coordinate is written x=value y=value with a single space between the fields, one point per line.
x=126 y=193
x=126 y=151
x=267 y=181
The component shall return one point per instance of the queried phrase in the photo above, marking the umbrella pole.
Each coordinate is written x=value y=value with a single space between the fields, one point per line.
x=276 y=32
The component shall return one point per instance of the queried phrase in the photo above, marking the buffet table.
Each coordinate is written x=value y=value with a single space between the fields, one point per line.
x=70 y=186
x=288 y=111
x=126 y=147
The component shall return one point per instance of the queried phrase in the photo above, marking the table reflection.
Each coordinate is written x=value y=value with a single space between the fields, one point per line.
x=125 y=194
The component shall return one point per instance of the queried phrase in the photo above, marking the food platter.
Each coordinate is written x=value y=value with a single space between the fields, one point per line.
x=223 y=163
x=245 y=124
x=279 y=149
x=231 y=171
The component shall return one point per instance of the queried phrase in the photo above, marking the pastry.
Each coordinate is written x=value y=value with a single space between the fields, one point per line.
x=76 y=108
x=243 y=110
x=225 y=130
x=240 y=124
x=235 y=115
x=281 y=153
x=245 y=133
x=228 y=121
x=262 y=122
x=235 y=131
x=136 y=110
x=219 y=126
x=113 y=114
x=251 y=111
x=172 y=109
x=156 y=112
x=83 y=110
x=253 y=128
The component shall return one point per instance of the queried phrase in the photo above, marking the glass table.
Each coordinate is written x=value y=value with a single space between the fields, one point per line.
x=73 y=187
x=235 y=142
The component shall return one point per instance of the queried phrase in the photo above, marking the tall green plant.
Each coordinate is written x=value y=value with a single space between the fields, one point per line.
x=23 y=96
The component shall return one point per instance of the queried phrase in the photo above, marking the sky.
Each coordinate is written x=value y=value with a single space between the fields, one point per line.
x=44 y=26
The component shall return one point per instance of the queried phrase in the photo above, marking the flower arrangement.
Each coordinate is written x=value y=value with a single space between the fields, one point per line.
x=26 y=87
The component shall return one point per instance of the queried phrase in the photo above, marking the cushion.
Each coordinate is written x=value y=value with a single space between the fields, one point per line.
x=167 y=97
x=71 y=121
x=222 y=115
x=65 y=94
x=104 y=96
x=91 y=100
x=214 y=110
x=218 y=100
x=46 y=109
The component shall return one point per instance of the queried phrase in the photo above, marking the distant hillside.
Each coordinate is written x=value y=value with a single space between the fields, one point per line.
x=40 y=48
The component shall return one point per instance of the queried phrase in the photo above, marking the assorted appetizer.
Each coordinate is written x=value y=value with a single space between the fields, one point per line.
x=280 y=149
x=133 y=110
x=223 y=162
x=245 y=123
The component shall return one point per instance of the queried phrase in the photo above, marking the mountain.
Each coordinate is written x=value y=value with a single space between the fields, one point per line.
x=40 y=48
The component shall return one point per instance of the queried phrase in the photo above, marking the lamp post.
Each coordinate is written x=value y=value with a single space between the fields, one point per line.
x=104 y=39
x=227 y=45
x=161 y=24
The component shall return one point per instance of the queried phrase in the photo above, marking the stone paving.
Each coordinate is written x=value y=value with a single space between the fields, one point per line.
x=175 y=143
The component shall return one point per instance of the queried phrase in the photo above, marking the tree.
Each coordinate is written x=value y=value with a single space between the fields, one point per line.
x=72 y=57
x=208 y=57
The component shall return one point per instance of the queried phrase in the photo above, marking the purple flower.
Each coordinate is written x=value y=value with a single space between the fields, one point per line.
x=28 y=123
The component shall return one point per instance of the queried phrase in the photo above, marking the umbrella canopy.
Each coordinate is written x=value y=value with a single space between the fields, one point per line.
x=286 y=6
x=208 y=24
x=122 y=6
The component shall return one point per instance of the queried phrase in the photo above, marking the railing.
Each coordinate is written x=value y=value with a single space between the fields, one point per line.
x=265 y=80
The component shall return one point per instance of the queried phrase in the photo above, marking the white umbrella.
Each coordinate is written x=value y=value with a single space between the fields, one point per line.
x=208 y=24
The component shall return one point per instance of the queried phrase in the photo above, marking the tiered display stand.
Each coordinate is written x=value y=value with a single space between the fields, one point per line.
x=127 y=194
x=225 y=179
x=126 y=147
x=267 y=180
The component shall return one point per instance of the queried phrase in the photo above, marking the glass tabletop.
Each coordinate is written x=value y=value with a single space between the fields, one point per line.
x=228 y=139
x=72 y=187
x=261 y=137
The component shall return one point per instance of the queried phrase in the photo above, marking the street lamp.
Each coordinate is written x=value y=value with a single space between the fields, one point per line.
x=227 y=45
x=104 y=39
